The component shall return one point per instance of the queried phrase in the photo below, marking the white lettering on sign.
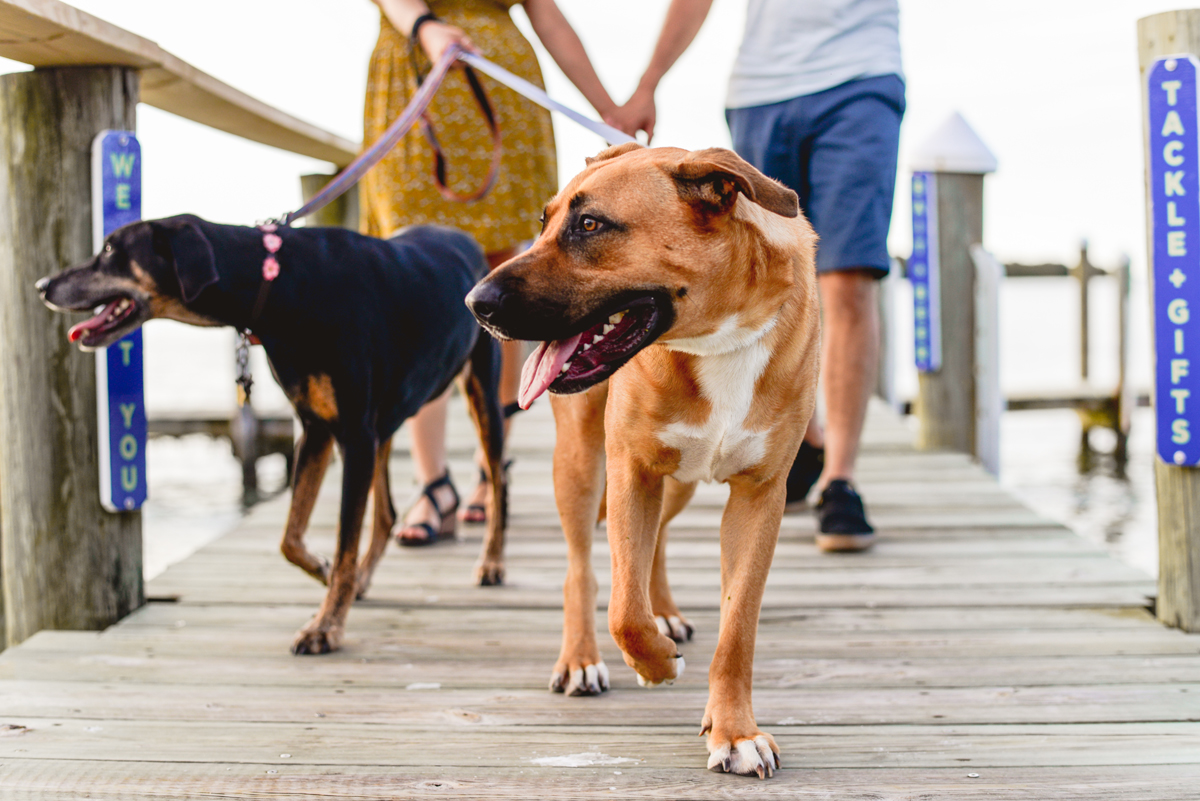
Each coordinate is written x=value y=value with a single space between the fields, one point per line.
x=128 y=447
x=1173 y=218
x=1172 y=90
x=129 y=477
x=125 y=345
x=127 y=410
x=1172 y=124
x=1179 y=340
x=1179 y=370
x=1174 y=183
x=1180 y=395
x=1176 y=246
x=1177 y=311
x=1179 y=432
x=1171 y=153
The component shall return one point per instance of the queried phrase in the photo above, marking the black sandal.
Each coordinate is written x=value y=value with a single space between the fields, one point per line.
x=447 y=519
x=477 y=512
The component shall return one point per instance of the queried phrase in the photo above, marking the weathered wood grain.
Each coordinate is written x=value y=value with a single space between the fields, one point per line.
x=66 y=562
x=976 y=638
x=1178 y=488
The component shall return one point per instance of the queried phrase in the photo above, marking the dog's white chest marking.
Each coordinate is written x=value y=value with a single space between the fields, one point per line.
x=729 y=364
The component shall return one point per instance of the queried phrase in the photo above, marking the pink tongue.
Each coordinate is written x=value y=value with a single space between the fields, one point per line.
x=77 y=331
x=542 y=367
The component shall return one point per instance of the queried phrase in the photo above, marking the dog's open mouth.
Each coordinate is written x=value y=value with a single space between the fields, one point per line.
x=573 y=364
x=109 y=323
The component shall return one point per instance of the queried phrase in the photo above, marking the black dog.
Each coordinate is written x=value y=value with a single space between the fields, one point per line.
x=360 y=333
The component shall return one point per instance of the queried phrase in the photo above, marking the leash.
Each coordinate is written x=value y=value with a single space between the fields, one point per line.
x=414 y=113
x=394 y=133
x=523 y=87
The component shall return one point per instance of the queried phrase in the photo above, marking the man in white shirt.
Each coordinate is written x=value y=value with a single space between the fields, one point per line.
x=815 y=100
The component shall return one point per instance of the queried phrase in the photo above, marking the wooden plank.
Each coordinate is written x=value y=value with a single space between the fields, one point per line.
x=49 y=33
x=682 y=705
x=65 y=780
x=398 y=670
x=457 y=740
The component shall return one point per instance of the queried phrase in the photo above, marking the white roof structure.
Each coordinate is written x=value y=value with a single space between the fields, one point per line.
x=953 y=147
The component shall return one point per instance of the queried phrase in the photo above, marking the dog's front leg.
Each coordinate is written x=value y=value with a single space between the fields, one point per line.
x=312 y=457
x=634 y=502
x=749 y=531
x=578 y=488
x=324 y=632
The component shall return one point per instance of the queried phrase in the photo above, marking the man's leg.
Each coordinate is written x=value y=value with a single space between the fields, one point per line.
x=850 y=354
x=849 y=363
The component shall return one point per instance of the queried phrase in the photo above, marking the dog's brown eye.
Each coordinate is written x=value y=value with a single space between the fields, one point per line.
x=589 y=224
x=107 y=247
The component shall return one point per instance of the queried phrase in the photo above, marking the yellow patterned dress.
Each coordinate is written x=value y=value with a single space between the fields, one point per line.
x=400 y=190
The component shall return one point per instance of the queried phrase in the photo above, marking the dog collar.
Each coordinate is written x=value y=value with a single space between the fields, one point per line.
x=270 y=266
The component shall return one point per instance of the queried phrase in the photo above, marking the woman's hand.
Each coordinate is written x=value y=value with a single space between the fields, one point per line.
x=435 y=36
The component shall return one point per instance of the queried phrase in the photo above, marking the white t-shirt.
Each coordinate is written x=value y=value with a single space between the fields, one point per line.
x=798 y=47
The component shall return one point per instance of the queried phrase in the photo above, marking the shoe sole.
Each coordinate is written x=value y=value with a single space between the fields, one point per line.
x=836 y=543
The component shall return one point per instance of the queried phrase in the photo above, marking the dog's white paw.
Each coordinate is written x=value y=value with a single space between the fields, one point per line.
x=590 y=680
x=674 y=627
x=679 y=666
x=749 y=758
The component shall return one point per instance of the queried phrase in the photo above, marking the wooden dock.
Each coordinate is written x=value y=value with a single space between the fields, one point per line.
x=979 y=651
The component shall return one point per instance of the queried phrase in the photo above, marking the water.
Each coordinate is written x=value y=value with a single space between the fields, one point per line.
x=195 y=484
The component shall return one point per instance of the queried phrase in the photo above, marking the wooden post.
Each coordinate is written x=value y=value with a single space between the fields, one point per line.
x=1178 y=488
x=67 y=563
x=341 y=213
x=956 y=160
x=1125 y=400
x=1084 y=273
x=946 y=403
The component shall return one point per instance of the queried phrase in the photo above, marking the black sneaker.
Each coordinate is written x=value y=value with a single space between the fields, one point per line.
x=842 y=521
x=806 y=469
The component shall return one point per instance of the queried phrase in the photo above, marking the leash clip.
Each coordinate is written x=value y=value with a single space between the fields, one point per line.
x=244 y=380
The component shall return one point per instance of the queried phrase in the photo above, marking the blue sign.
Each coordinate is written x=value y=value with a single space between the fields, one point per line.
x=1175 y=254
x=923 y=272
x=117 y=201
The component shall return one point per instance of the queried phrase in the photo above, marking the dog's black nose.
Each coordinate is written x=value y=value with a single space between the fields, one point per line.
x=485 y=300
x=41 y=285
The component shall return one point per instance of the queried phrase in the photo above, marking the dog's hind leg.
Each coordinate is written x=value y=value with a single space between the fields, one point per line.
x=482 y=379
x=384 y=518
x=578 y=488
x=324 y=632
x=312 y=457
x=670 y=620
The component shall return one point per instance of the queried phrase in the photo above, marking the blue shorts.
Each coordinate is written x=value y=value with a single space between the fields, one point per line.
x=837 y=149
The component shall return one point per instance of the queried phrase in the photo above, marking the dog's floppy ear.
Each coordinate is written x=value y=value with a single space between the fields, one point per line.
x=192 y=253
x=713 y=178
x=612 y=152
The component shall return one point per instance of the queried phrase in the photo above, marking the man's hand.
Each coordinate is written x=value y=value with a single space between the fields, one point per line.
x=638 y=114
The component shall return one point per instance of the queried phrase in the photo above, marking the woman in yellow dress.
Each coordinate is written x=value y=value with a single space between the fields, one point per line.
x=401 y=190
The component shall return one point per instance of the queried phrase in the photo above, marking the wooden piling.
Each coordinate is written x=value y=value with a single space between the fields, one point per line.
x=67 y=563
x=946 y=406
x=1178 y=488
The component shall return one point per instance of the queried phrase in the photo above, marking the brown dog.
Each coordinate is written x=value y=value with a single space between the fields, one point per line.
x=694 y=274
